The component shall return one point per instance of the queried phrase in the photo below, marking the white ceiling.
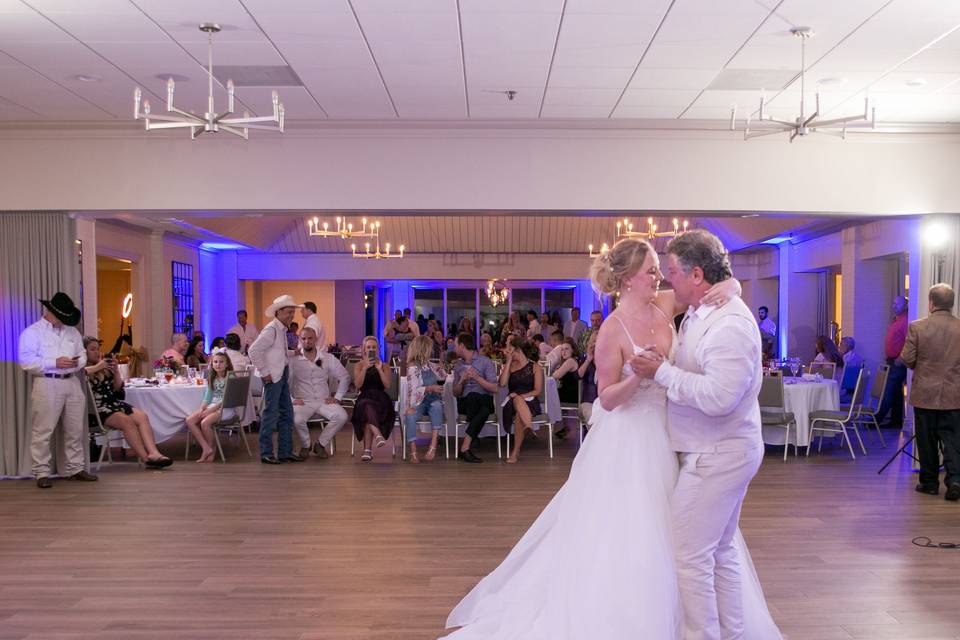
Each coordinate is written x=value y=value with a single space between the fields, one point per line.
x=448 y=59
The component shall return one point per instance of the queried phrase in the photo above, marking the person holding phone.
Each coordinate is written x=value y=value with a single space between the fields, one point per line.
x=523 y=378
x=51 y=350
x=373 y=414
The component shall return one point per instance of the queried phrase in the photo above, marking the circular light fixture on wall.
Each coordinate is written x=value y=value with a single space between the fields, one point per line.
x=127 y=306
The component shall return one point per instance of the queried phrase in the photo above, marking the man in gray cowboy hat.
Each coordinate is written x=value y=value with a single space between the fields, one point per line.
x=51 y=350
x=268 y=354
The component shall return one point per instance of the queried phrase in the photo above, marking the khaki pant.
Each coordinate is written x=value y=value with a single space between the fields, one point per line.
x=333 y=413
x=55 y=400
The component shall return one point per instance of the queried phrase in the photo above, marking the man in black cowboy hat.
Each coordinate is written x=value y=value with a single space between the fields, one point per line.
x=51 y=350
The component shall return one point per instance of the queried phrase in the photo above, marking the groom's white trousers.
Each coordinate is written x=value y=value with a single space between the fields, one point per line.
x=706 y=510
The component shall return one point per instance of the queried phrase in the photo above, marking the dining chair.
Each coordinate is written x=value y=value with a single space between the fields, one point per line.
x=826 y=369
x=837 y=422
x=773 y=411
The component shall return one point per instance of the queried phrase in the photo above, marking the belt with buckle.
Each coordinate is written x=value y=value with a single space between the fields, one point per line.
x=58 y=376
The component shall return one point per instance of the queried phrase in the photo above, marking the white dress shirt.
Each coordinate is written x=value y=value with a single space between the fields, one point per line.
x=768 y=326
x=247 y=335
x=238 y=360
x=533 y=329
x=852 y=359
x=268 y=353
x=314 y=323
x=715 y=380
x=574 y=329
x=308 y=381
x=41 y=344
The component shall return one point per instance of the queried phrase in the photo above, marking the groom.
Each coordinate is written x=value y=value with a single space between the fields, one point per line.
x=715 y=428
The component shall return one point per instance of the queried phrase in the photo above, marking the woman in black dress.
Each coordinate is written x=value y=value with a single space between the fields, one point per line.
x=103 y=374
x=373 y=414
x=523 y=377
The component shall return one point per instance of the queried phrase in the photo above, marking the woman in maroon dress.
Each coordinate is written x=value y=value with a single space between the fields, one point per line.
x=373 y=415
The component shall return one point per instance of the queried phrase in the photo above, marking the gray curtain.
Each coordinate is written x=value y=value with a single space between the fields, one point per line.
x=39 y=257
x=823 y=305
x=942 y=265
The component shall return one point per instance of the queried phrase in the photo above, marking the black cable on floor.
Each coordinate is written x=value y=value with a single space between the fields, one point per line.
x=923 y=541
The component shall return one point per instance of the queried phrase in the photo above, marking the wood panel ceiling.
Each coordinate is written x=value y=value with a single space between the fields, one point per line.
x=452 y=59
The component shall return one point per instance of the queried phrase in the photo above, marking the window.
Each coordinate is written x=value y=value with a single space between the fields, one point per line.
x=558 y=299
x=427 y=302
x=524 y=300
x=182 y=285
x=461 y=303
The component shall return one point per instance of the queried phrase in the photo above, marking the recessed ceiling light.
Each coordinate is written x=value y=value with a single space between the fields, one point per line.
x=85 y=77
x=176 y=77
x=826 y=82
x=916 y=82
x=750 y=215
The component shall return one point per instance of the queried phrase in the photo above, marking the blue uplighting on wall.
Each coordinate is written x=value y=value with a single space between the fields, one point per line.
x=221 y=246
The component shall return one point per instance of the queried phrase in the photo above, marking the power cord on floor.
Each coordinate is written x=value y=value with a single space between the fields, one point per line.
x=923 y=541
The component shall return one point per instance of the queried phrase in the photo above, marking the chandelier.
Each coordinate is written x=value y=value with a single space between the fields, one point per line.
x=804 y=124
x=344 y=229
x=211 y=122
x=373 y=251
x=625 y=230
x=497 y=292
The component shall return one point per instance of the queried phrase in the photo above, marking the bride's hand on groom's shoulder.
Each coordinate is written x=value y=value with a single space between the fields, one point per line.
x=721 y=293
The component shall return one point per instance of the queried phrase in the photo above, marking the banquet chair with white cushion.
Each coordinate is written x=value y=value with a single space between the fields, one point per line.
x=540 y=420
x=773 y=412
x=462 y=424
x=838 y=422
x=234 y=397
x=101 y=430
x=867 y=411
x=826 y=369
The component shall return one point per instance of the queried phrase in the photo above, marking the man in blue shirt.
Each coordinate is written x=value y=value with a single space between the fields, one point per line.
x=474 y=383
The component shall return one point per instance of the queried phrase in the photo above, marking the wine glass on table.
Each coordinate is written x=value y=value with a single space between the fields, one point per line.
x=794 y=367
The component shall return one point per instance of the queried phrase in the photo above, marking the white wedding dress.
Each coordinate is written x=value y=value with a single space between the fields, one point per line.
x=597 y=564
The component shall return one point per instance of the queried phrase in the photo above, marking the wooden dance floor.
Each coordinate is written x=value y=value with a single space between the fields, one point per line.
x=342 y=550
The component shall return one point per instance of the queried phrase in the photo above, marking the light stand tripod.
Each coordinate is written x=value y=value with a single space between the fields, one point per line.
x=902 y=449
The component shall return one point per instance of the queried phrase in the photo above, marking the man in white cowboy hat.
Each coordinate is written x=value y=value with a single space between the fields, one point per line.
x=51 y=350
x=268 y=354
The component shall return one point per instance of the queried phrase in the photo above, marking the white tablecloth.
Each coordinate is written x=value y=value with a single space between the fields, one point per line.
x=167 y=406
x=450 y=411
x=801 y=398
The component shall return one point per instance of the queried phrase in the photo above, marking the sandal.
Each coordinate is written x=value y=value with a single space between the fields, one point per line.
x=379 y=441
x=413 y=457
x=430 y=454
x=367 y=455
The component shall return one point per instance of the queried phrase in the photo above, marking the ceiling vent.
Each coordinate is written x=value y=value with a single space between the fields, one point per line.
x=257 y=76
x=751 y=79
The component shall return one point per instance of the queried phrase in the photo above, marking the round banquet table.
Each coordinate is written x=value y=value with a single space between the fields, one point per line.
x=168 y=406
x=801 y=397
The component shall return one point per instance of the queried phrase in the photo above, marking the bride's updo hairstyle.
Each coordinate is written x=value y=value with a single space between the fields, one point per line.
x=611 y=269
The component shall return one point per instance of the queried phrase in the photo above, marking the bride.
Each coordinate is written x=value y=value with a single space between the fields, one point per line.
x=597 y=563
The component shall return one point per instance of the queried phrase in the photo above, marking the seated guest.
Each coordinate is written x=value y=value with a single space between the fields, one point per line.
x=435 y=333
x=107 y=386
x=465 y=326
x=422 y=324
x=423 y=396
x=511 y=326
x=554 y=356
x=523 y=378
x=310 y=375
x=847 y=349
x=588 y=373
x=178 y=349
x=373 y=414
x=542 y=347
x=218 y=343
x=195 y=355
x=237 y=359
x=566 y=374
x=596 y=319
x=827 y=351
x=293 y=337
x=533 y=325
x=200 y=422
x=474 y=384
x=487 y=348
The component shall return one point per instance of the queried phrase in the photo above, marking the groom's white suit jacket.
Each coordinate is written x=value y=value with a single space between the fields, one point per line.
x=714 y=381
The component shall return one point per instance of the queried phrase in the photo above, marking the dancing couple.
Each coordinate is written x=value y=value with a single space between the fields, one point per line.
x=642 y=541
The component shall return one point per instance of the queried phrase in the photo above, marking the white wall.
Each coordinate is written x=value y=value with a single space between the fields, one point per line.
x=409 y=168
